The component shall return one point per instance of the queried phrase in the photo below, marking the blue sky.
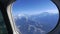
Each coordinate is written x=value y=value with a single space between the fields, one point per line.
x=31 y=7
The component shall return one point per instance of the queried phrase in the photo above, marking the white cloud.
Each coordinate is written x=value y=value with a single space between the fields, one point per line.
x=52 y=11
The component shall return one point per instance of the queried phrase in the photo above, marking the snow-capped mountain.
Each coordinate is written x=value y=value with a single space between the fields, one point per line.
x=37 y=15
x=31 y=24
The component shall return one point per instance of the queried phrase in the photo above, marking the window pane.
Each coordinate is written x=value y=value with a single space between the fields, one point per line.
x=35 y=16
x=3 y=29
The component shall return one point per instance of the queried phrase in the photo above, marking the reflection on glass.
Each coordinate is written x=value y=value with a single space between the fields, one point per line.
x=3 y=29
x=35 y=16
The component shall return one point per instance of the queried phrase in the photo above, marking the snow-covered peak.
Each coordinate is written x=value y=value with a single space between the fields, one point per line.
x=19 y=16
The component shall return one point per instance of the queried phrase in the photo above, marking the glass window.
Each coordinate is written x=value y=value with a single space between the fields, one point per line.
x=3 y=29
x=35 y=16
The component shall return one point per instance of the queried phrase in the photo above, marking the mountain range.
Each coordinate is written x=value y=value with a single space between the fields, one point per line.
x=36 y=24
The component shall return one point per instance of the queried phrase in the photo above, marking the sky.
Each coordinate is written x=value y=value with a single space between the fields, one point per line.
x=32 y=7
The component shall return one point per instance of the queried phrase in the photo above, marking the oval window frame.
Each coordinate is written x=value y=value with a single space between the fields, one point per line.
x=58 y=25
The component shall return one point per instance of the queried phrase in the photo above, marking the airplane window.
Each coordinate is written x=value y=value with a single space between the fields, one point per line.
x=3 y=29
x=35 y=16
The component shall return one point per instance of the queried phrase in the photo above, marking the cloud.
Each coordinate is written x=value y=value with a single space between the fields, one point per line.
x=52 y=11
